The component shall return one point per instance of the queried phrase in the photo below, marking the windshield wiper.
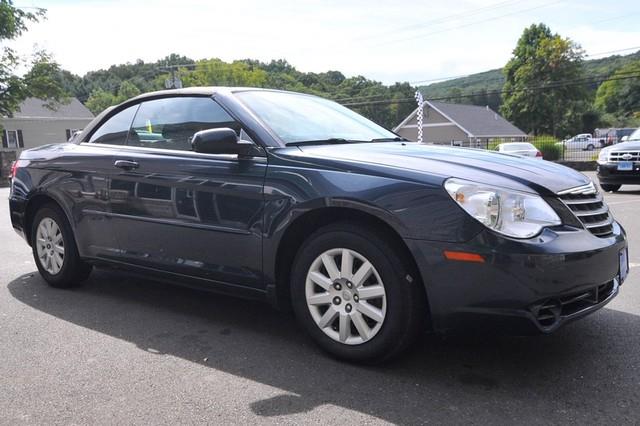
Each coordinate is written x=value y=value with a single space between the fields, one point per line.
x=396 y=139
x=323 y=141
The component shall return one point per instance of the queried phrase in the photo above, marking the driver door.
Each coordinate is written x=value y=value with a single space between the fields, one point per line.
x=184 y=212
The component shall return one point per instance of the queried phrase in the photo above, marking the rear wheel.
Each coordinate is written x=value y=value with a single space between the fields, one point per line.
x=355 y=295
x=590 y=147
x=609 y=188
x=55 y=251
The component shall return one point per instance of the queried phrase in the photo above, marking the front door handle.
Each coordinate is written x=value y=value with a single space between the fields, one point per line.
x=126 y=164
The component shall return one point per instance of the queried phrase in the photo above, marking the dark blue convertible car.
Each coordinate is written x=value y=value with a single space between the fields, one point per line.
x=298 y=201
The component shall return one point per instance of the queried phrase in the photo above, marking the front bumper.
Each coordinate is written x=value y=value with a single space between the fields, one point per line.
x=524 y=286
x=609 y=174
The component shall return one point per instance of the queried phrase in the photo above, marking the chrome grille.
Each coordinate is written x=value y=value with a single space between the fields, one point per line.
x=616 y=156
x=589 y=207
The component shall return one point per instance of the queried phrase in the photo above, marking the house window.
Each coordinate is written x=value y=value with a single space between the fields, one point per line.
x=12 y=139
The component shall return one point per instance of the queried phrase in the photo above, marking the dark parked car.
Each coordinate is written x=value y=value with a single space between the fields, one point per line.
x=299 y=201
x=620 y=164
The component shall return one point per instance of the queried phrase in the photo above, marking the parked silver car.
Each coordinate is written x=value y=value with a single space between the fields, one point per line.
x=523 y=149
x=581 y=142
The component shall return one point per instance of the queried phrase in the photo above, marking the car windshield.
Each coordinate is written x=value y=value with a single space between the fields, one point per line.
x=297 y=118
x=635 y=136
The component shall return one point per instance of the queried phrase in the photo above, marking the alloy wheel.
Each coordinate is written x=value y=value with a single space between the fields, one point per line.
x=346 y=296
x=50 y=245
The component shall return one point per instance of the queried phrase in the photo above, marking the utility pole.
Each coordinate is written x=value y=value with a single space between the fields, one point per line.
x=173 y=82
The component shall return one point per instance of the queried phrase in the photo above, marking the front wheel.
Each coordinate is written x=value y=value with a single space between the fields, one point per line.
x=55 y=251
x=590 y=147
x=355 y=295
x=609 y=188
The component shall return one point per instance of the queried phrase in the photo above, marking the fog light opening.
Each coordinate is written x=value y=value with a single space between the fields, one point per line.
x=548 y=314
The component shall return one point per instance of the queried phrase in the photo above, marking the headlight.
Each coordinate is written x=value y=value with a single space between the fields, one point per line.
x=603 y=157
x=509 y=212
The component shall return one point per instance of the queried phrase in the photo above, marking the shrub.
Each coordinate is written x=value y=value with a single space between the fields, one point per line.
x=493 y=144
x=548 y=146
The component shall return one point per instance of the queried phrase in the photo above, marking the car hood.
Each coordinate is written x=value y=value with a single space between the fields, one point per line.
x=625 y=146
x=473 y=164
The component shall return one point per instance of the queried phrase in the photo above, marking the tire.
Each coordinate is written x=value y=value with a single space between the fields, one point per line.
x=609 y=188
x=590 y=147
x=54 y=249
x=402 y=305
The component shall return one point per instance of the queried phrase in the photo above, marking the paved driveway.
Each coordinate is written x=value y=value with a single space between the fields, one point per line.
x=124 y=350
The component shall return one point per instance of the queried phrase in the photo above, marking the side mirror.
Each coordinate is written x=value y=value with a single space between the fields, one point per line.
x=223 y=141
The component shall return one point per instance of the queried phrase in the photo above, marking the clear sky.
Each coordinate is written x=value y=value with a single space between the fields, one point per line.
x=397 y=40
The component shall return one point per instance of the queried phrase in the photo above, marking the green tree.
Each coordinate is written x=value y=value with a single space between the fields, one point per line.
x=102 y=88
x=480 y=98
x=620 y=96
x=215 y=72
x=127 y=90
x=455 y=96
x=43 y=79
x=99 y=100
x=534 y=97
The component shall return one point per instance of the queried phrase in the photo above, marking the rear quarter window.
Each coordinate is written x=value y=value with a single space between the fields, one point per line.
x=114 y=131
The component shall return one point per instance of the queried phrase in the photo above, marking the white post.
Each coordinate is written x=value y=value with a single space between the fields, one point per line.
x=419 y=114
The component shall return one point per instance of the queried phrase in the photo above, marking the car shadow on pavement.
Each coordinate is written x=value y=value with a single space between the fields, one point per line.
x=584 y=372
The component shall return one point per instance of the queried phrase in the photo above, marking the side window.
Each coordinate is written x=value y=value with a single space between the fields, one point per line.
x=114 y=131
x=170 y=123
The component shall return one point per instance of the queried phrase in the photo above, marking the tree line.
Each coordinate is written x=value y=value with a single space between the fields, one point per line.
x=100 y=89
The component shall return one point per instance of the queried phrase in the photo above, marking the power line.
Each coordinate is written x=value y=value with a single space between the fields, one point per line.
x=590 y=55
x=627 y=15
x=612 y=51
x=472 y=23
x=467 y=75
x=551 y=85
x=512 y=13
x=441 y=19
x=496 y=92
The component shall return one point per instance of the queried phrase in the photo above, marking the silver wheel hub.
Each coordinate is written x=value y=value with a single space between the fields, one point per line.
x=50 y=245
x=346 y=296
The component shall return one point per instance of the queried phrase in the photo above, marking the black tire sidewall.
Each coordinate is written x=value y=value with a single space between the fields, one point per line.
x=390 y=267
x=607 y=187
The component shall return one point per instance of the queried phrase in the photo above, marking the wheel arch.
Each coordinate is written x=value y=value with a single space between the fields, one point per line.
x=304 y=225
x=34 y=203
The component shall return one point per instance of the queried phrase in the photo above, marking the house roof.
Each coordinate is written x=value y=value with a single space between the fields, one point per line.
x=36 y=108
x=476 y=121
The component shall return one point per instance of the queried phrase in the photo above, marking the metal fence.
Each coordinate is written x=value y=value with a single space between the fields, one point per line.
x=573 y=149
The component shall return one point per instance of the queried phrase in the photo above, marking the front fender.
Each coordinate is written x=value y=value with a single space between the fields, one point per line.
x=415 y=210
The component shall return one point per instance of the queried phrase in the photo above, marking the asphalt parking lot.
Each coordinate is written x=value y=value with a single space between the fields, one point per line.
x=123 y=350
